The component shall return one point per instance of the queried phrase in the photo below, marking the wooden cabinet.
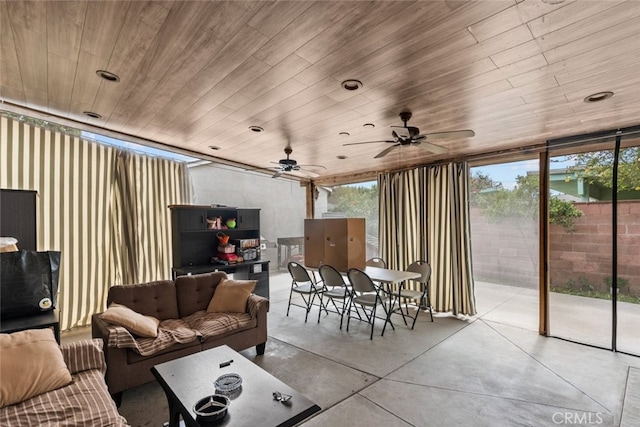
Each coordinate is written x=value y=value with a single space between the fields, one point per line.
x=18 y=217
x=339 y=242
x=195 y=241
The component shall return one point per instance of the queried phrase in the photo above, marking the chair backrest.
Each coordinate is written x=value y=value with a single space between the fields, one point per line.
x=376 y=262
x=330 y=276
x=423 y=268
x=299 y=273
x=360 y=282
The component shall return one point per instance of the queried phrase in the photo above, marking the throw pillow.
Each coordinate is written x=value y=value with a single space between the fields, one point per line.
x=136 y=323
x=31 y=363
x=231 y=296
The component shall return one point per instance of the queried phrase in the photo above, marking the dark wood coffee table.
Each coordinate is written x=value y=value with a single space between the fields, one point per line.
x=188 y=379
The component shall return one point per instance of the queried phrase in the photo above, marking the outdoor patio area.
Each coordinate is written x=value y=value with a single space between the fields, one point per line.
x=492 y=369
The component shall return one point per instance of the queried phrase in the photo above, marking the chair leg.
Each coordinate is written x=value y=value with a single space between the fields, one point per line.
x=320 y=310
x=290 y=294
x=309 y=305
x=373 y=321
x=344 y=303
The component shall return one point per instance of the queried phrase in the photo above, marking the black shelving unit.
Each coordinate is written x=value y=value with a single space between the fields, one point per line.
x=194 y=242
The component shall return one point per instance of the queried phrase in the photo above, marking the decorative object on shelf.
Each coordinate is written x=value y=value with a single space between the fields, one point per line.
x=214 y=223
x=231 y=223
x=227 y=249
x=223 y=239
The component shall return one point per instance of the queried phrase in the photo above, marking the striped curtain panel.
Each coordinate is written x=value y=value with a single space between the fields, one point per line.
x=402 y=235
x=424 y=215
x=82 y=211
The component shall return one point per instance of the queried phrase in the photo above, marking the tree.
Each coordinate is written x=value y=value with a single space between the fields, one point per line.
x=522 y=202
x=357 y=202
x=597 y=168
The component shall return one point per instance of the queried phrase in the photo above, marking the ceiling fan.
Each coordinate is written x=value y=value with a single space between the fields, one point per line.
x=290 y=165
x=410 y=135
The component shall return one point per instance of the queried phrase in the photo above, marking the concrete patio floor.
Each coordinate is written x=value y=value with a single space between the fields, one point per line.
x=489 y=370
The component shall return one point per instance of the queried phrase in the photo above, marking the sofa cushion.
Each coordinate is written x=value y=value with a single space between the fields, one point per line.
x=231 y=296
x=30 y=364
x=218 y=325
x=195 y=292
x=157 y=299
x=170 y=332
x=136 y=323
x=84 y=402
x=84 y=355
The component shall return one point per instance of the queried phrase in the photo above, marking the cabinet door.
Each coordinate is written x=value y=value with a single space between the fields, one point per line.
x=313 y=242
x=335 y=243
x=18 y=217
x=249 y=219
x=191 y=219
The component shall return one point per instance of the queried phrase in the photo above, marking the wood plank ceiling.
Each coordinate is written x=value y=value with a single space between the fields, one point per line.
x=199 y=74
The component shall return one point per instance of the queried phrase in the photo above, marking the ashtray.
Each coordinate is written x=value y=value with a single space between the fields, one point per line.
x=211 y=408
x=228 y=383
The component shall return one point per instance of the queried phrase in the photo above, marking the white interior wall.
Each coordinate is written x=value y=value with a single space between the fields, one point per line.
x=282 y=202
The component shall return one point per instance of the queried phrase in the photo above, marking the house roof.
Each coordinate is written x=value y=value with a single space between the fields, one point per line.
x=198 y=74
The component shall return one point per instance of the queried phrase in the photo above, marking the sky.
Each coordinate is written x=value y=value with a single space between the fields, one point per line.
x=138 y=147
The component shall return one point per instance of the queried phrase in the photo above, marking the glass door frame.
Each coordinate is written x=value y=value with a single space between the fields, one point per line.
x=576 y=141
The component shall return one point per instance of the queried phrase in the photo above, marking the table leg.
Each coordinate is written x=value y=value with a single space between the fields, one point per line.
x=174 y=414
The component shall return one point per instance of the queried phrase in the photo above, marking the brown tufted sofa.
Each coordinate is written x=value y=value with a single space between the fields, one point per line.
x=181 y=308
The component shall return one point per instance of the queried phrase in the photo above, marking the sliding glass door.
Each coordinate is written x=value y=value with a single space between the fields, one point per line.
x=594 y=243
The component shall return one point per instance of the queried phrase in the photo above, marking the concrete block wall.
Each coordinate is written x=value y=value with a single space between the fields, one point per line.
x=584 y=256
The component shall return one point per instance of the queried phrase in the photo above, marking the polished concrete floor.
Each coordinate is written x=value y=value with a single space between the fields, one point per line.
x=489 y=370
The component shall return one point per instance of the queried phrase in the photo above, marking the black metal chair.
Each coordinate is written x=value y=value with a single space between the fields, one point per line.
x=334 y=288
x=376 y=262
x=365 y=294
x=418 y=298
x=305 y=285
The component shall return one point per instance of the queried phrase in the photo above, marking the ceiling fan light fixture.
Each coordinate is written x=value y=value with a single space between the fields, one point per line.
x=598 y=96
x=92 y=114
x=108 y=76
x=351 y=84
x=256 y=129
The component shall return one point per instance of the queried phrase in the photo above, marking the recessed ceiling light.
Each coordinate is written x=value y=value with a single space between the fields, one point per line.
x=341 y=157
x=344 y=134
x=256 y=128
x=92 y=114
x=351 y=84
x=553 y=1
x=108 y=76
x=214 y=147
x=599 y=96
x=368 y=125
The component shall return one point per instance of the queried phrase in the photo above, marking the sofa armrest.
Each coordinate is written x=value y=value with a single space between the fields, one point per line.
x=84 y=355
x=257 y=305
x=115 y=358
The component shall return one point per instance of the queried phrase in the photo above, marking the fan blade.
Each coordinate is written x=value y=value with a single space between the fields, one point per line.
x=312 y=166
x=366 y=142
x=436 y=149
x=450 y=135
x=386 y=151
